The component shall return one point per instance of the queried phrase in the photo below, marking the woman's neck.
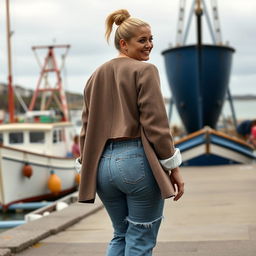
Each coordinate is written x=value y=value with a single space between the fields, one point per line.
x=122 y=55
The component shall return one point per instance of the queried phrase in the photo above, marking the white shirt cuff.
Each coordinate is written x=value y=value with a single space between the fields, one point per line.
x=78 y=165
x=172 y=162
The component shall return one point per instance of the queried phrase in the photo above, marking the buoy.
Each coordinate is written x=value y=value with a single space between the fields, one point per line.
x=27 y=170
x=54 y=183
x=77 y=178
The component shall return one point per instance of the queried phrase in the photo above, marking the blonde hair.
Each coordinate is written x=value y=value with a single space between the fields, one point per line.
x=126 y=26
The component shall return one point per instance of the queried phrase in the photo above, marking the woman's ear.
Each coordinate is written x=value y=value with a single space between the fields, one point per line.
x=123 y=45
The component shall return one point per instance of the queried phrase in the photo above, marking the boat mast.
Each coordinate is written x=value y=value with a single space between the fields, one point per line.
x=199 y=13
x=11 y=106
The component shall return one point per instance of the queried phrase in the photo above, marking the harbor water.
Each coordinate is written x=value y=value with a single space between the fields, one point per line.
x=12 y=215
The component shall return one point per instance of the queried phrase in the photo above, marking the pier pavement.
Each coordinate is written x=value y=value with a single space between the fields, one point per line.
x=215 y=217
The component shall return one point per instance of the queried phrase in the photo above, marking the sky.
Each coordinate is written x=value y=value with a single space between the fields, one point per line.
x=81 y=23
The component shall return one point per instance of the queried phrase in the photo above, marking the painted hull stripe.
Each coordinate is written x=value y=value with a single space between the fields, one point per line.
x=39 y=165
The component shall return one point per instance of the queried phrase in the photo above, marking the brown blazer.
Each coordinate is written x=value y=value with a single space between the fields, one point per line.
x=122 y=98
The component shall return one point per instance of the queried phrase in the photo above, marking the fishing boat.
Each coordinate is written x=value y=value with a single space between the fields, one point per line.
x=198 y=75
x=210 y=147
x=42 y=149
x=42 y=143
x=35 y=153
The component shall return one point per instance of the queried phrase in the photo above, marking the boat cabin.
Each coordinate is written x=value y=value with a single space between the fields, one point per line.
x=53 y=139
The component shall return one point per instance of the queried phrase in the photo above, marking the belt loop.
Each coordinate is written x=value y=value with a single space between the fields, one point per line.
x=111 y=145
x=139 y=143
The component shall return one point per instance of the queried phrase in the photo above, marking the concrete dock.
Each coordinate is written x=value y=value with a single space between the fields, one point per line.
x=215 y=217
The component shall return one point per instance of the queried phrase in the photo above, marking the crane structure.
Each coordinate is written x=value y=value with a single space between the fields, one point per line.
x=47 y=91
x=216 y=22
x=213 y=23
x=179 y=36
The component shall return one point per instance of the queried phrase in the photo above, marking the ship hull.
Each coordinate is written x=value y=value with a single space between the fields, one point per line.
x=198 y=79
x=15 y=187
x=210 y=147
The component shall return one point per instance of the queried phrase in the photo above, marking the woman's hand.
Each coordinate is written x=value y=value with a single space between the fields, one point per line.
x=177 y=182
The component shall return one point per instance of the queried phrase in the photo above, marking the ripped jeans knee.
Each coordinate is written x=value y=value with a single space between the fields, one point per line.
x=141 y=237
x=143 y=224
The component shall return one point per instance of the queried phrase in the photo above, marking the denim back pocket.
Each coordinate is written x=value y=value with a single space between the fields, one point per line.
x=131 y=167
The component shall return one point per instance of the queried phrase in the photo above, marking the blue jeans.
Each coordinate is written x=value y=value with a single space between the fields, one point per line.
x=131 y=196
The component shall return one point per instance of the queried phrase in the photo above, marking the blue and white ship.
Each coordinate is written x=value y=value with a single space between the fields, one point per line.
x=198 y=75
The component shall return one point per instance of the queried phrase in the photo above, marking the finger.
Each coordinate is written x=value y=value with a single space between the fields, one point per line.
x=173 y=183
x=179 y=195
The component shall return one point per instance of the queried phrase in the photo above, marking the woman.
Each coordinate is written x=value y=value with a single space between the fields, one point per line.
x=76 y=147
x=127 y=150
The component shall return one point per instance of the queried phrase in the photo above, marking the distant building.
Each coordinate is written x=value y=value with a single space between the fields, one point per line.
x=23 y=92
x=3 y=89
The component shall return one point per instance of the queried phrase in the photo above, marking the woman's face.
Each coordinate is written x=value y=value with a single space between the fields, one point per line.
x=139 y=46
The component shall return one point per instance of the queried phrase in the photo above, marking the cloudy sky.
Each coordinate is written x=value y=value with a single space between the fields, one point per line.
x=80 y=23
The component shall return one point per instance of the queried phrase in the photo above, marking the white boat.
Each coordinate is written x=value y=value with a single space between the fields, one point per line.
x=31 y=151
x=45 y=147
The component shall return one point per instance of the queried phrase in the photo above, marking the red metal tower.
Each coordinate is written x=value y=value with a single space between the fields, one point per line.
x=51 y=92
x=11 y=106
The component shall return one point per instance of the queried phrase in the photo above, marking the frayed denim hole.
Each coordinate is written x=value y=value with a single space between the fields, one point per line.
x=144 y=224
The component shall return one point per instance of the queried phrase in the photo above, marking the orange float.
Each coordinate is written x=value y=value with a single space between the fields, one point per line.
x=54 y=183
x=78 y=178
x=27 y=170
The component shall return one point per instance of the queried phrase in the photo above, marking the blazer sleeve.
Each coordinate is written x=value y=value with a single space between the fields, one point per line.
x=84 y=127
x=153 y=117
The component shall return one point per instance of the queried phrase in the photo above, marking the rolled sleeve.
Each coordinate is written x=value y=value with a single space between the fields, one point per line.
x=173 y=161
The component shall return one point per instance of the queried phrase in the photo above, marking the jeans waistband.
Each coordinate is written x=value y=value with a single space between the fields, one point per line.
x=112 y=143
